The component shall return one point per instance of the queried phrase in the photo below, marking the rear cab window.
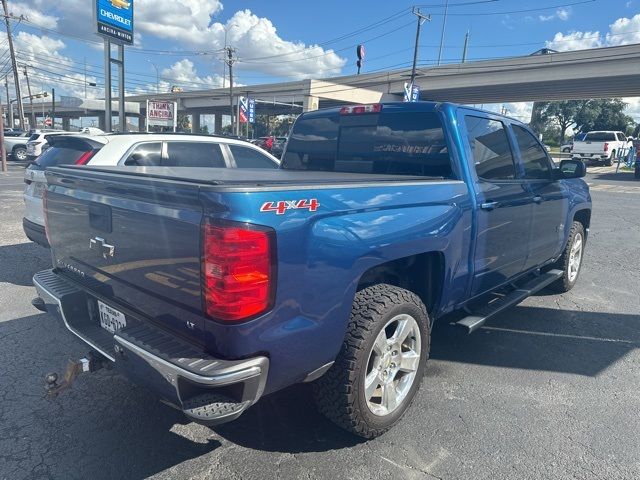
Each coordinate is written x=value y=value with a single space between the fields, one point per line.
x=600 y=137
x=393 y=143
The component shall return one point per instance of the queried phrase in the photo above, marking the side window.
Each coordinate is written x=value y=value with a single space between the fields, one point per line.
x=489 y=145
x=145 y=155
x=246 y=157
x=194 y=154
x=534 y=158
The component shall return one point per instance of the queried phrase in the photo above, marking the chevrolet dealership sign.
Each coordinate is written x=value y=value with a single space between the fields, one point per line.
x=115 y=20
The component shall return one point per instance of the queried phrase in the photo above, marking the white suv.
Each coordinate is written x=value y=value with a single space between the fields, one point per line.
x=168 y=150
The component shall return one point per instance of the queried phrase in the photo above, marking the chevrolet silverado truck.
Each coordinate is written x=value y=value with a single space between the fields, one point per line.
x=217 y=287
x=600 y=146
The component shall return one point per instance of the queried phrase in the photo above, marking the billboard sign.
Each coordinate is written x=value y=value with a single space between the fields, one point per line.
x=115 y=20
x=162 y=113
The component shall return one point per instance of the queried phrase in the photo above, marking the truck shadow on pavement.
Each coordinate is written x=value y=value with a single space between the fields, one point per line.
x=19 y=262
x=622 y=176
x=544 y=339
x=105 y=427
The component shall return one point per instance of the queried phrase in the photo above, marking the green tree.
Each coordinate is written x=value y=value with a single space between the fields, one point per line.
x=561 y=113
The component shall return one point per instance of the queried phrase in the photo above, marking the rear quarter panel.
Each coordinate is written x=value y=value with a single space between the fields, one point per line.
x=322 y=255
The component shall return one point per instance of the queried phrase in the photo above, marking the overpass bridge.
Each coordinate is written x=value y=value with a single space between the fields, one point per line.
x=594 y=73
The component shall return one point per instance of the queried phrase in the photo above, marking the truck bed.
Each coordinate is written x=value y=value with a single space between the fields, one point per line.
x=247 y=178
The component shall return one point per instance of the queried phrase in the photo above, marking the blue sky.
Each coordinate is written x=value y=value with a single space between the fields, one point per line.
x=286 y=40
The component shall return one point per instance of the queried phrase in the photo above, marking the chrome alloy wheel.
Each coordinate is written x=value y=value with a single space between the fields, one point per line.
x=392 y=365
x=575 y=257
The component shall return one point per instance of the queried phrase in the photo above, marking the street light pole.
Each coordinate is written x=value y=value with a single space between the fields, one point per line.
x=157 y=76
x=14 y=64
x=421 y=20
x=444 y=24
x=230 y=61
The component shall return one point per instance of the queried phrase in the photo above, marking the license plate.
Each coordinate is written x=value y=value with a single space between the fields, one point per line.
x=111 y=319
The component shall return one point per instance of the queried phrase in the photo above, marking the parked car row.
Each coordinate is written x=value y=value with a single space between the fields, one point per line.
x=143 y=150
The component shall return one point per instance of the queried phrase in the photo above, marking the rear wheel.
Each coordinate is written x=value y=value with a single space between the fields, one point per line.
x=609 y=161
x=19 y=154
x=381 y=363
x=571 y=260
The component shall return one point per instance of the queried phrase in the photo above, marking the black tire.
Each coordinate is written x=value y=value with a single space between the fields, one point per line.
x=609 y=161
x=565 y=283
x=19 y=154
x=339 y=393
x=566 y=150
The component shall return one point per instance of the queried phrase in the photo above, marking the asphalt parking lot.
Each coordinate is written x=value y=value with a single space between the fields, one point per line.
x=548 y=389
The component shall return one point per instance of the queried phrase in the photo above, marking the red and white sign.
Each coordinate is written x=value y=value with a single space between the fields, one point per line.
x=161 y=113
x=48 y=122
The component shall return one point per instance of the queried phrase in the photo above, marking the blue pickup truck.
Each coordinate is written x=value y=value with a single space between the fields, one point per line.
x=215 y=287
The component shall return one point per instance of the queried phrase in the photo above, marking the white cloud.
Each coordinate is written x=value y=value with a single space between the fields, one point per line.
x=624 y=31
x=183 y=74
x=561 y=14
x=574 y=41
x=20 y=9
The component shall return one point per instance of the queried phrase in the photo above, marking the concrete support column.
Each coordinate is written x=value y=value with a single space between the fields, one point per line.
x=195 y=123
x=310 y=103
x=102 y=123
x=218 y=123
x=142 y=122
x=66 y=123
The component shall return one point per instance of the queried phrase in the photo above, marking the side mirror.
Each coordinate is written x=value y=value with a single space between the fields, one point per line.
x=570 y=169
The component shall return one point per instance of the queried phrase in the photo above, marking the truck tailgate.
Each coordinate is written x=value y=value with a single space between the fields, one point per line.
x=132 y=243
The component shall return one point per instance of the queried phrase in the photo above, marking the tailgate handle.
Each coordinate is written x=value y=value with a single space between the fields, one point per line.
x=100 y=217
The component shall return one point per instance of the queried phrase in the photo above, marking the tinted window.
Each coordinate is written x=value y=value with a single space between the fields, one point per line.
x=385 y=143
x=490 y=149
x=34 y=137
x=193 y=154
x=61 y=155
x=145 y=155
x=600 y=137
x=534 y=158
x=246 y=157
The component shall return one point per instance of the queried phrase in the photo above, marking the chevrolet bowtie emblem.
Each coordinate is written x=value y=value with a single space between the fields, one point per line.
x=98 y=245
x=121 y=4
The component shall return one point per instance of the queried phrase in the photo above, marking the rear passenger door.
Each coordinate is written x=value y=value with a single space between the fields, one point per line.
x=504 y=204
x=550 y=198
x=193 y=154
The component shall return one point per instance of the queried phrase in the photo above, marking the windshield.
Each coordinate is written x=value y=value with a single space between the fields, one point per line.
x=385 y=143
x=61 y=155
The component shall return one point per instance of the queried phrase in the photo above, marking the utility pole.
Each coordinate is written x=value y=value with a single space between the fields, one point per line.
x=53 y=108
x=3 y=153
x=33 y=115
x=9 y=104
x=466 y=45
x=444 y=24
x=230 y=61
x=421 y=20
x=13 y=63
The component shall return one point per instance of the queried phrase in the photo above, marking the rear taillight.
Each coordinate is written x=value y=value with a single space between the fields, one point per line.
x=85 y=157
x=238 y=270
x=45 y=212
x=606 y=147
x=360 y=109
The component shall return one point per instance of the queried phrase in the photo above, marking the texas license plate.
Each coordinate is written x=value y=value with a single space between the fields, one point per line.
x=111 y=319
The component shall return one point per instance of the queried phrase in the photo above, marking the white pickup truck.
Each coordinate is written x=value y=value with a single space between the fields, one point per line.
x=602 y=146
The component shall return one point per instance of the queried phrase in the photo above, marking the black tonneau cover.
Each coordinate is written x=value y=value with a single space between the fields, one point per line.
x=244 y=177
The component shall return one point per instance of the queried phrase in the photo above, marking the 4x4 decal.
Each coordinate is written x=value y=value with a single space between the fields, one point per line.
x=281 y=207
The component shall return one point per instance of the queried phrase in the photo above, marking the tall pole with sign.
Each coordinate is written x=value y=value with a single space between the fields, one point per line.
x=114 y=22
x=421 y=20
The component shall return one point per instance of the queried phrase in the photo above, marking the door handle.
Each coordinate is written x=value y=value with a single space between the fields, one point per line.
x=537 y=199
x=488 y=205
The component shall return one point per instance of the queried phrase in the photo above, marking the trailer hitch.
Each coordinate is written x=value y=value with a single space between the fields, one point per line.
x=89 y=364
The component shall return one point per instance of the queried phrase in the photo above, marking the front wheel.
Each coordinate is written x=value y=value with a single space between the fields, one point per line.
x=571 y=260
x=381 y=363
